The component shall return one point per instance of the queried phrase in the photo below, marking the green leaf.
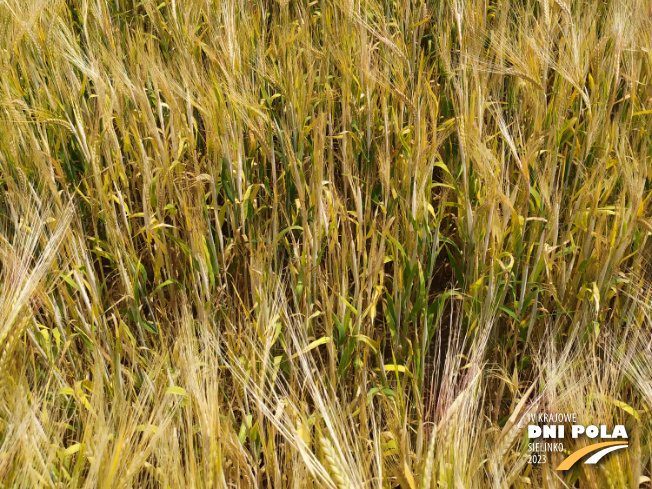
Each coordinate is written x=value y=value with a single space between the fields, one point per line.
x=67 y=278
x=176 y=391
x=390 y=314
x=374 y=345
x=346 y=358
x=509 y=312
x=321 y=341
x=226 y=183
x=72 y=449
x=459 y=276
x=167 y=282
x=390 y=367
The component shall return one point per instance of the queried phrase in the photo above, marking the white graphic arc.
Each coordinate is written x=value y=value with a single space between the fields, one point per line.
x=597 y=456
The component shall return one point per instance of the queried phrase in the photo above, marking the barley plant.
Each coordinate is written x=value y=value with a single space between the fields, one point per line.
x=337 y=244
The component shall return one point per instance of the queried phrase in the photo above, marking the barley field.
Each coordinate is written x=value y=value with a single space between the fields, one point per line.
x=335 y=244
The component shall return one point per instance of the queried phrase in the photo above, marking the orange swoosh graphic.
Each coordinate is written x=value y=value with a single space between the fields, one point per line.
x=574 y=457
